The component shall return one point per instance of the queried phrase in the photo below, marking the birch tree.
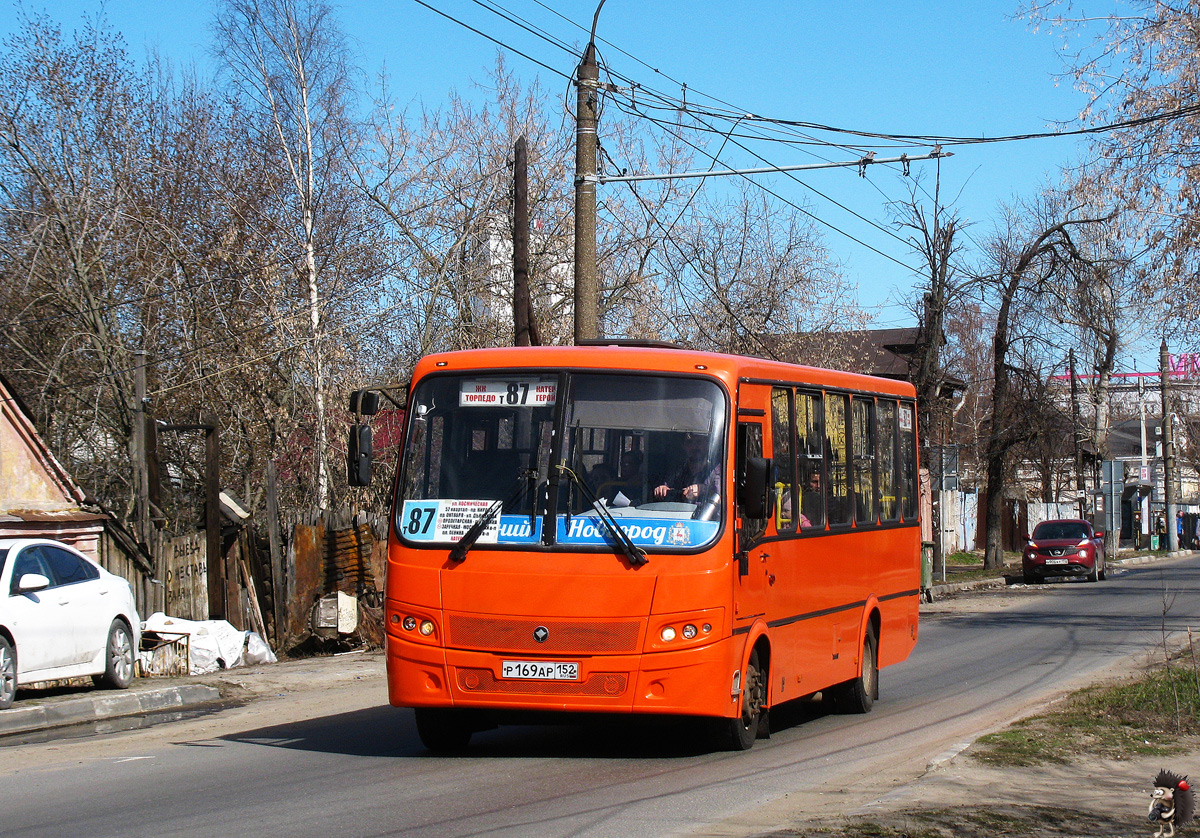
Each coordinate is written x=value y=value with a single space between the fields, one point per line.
x=288 y=60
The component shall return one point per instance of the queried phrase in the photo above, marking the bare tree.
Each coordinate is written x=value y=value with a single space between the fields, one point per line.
x=289 y=59
x=1139 y=65
x=1023 y=263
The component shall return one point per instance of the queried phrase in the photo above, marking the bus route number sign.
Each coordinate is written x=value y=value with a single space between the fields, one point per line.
x=492 y=392
x=540 y=670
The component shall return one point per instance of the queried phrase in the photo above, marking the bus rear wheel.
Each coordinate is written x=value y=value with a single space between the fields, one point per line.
x=443 y=730
x=741 y=731
x=858 y=694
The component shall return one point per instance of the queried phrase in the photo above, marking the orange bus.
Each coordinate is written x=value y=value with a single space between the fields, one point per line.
x=643 y=529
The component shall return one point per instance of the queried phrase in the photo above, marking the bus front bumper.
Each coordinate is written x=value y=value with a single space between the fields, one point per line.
x=695 y=681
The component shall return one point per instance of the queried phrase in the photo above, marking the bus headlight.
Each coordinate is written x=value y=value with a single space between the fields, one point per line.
x=677 y=631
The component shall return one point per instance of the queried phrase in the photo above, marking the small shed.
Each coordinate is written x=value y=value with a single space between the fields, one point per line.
x=39 y=499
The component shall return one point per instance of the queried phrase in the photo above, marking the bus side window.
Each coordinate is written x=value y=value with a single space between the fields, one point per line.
x=836 y=451
x=889 y=465
x=784 y=484
x=862 y=438
x=749 y=444
x=908 y=461
x=810 y=445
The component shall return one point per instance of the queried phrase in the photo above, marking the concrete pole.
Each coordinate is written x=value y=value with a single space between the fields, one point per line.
x=587 y=280
x=1164 y=366
x=521 y=306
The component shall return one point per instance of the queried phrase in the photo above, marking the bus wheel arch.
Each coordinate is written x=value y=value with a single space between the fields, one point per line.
x=752 y=720
x=859 y=693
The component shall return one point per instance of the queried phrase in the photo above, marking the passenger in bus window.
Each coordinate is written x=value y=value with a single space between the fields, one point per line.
x=812 y=502
x=628 y=489
x=696 y=477
x=599 y=476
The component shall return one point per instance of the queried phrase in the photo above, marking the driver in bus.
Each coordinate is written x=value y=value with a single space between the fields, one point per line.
x=696 y=477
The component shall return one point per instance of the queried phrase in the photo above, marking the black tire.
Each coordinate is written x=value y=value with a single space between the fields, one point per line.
x=443 y=730
x=1103 y=569
x=858 y=694
x=119 y=657
x=1094 y=573
x=740 y=732
x=8 y=674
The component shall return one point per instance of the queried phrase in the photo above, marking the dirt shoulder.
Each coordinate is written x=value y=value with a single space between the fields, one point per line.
x=960 y=796
x=967 y=799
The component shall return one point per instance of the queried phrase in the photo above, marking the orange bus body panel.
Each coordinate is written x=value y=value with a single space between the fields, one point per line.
x=809 y=600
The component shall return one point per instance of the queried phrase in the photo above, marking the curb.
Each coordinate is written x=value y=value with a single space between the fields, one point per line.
x=936 y=591
x=107 y=705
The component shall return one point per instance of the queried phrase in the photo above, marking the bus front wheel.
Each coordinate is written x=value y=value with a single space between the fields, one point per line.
x=442 y=730
x=741 y=731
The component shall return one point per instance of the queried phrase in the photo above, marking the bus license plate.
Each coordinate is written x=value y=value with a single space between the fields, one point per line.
x=540 y=670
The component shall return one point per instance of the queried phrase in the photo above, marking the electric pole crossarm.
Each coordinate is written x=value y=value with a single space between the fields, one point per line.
x=861 y=162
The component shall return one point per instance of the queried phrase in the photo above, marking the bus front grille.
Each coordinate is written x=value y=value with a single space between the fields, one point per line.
x=598 y=683
x=557 y=636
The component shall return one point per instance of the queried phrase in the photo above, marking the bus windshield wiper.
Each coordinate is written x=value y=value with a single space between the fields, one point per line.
x=464 y=544
x=636 y=555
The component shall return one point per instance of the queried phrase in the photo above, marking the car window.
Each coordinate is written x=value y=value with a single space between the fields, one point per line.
x=1060 y=529
x=67 y=568
x=3 y=559
x=28 y=560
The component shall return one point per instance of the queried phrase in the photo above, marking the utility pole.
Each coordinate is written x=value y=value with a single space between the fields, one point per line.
x=141 y=477
x=523 y=331
x=1164 y=365
x=1080 y=484
x=587 y=280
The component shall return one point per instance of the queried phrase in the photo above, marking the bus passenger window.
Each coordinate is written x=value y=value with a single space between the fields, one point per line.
x=809 y=443
x=889 y=472
x=908 y=461
x=836 y=474
x=782 y=433
x=863 y=441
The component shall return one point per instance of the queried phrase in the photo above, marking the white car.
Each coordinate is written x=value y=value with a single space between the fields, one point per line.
x=62 y=616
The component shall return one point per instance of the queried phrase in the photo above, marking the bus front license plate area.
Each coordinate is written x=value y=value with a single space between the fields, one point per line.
x=540 y=670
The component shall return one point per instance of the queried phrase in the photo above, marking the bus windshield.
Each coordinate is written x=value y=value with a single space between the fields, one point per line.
x=648 y=450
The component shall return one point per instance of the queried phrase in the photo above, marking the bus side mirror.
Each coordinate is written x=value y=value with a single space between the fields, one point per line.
x=359 y=456
x=754 y=487
x=364 y=402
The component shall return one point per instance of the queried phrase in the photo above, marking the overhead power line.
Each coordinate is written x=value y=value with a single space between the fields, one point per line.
x=861 y=163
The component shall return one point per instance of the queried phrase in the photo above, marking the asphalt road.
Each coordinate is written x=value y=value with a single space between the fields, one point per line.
x=340 y=762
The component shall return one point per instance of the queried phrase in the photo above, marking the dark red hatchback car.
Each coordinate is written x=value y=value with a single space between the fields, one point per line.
x=1065 y=547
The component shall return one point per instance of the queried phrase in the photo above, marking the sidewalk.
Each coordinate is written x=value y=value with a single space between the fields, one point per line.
x=36 y=710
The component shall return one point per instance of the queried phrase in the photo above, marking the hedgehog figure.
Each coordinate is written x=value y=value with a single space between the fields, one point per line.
x=1171 y=803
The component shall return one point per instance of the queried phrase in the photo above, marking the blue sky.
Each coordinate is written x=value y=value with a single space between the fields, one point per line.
x=924 y=67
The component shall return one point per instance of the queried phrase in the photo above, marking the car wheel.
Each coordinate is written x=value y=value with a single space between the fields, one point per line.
x=1103 y=569
x=118 y=658
x=1094 y=573
x=8 y=674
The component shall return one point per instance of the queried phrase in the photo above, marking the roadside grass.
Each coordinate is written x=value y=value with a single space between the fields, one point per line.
x=1154 y=714
x=968 y=566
